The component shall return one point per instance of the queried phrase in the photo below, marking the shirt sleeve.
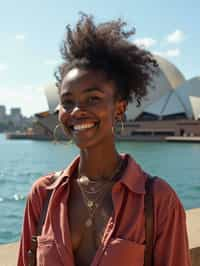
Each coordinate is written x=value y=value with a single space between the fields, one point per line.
x=31 y=216
x=171 y=244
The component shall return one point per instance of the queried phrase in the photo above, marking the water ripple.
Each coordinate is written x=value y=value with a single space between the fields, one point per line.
x=15 y=197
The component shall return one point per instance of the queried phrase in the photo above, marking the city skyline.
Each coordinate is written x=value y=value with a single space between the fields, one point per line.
x=8 y=111
x=31 y=34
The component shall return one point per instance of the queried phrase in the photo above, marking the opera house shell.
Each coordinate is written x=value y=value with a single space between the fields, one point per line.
x=171 y=108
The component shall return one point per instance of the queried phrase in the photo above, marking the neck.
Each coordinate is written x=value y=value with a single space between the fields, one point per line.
x=99 y=162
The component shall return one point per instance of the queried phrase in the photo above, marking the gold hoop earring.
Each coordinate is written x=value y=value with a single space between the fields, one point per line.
x=116 y=132
x=55 y=135
x=113 y=130
x=122 y=126
x=55 y=139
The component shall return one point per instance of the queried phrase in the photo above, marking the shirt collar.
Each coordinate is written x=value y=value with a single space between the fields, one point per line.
x=133 y=177
x=65 y=174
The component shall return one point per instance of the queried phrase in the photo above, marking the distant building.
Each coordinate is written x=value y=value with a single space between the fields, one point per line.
x=14 y=121
x=16 y=117
x=14 y=112
x=2 y=113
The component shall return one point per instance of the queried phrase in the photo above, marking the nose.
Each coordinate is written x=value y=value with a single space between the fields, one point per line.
x=76 y=112
x=78 y=109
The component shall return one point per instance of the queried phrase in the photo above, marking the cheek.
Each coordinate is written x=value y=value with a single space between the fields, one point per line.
x=112 y=114
x=109 y=117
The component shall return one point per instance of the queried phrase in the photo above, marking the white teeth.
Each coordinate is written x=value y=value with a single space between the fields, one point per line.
x=83 y=126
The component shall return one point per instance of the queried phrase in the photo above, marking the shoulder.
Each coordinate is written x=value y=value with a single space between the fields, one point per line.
x=164 y=194
x=42 y=183
x=36 y=196
x=39 y=189
x=168 y=208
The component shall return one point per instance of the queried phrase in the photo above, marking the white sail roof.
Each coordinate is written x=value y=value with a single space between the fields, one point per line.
x=172 y=73
x=167 y=105
x=189 y=95
x=51 y=92
x=173 y=106
x=195 y=103
x=161 y=87
x=168 y=79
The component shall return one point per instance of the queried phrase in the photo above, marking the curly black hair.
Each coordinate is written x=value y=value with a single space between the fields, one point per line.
x=105 y=47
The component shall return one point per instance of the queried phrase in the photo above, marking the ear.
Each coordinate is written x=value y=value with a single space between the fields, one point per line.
x=121 y=106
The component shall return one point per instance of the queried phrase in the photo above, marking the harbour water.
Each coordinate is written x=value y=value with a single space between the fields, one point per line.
x=23 y=161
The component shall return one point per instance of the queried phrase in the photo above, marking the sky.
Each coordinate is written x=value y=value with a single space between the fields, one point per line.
x=31 y=33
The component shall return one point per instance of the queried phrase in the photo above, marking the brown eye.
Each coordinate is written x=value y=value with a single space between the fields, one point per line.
x=94 y=99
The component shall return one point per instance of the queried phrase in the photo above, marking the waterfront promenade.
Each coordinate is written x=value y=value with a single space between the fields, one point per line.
x=8 y=253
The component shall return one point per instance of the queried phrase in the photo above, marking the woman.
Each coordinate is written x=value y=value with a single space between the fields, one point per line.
x=95 y=214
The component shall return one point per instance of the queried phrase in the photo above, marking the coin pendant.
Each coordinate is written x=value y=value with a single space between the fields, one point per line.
x=84 y=180
x=90 y=204
x=88 y=223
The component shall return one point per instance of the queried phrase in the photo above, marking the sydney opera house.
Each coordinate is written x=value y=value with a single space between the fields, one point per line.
x=172 y=108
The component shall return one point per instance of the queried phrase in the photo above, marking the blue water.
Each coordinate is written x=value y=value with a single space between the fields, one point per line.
x=23 y=161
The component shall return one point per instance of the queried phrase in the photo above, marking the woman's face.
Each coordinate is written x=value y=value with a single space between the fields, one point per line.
x=88 y=109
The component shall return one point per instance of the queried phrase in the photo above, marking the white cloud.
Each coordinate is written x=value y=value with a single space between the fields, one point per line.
x=173 y=53
x=3 y=67
x=51 y=62
x=145 y=42
x=176 y=37
x=169 y=53
x=19 y=37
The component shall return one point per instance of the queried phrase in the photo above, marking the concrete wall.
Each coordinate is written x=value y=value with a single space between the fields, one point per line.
x=193 y=227
x=8 y=253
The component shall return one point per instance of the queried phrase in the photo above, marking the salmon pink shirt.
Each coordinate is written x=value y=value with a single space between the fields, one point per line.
x=123 y=242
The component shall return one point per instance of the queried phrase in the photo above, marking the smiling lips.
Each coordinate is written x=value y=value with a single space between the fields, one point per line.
x=80 y=127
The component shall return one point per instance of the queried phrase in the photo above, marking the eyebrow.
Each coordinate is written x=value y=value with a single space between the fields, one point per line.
x=92 y=89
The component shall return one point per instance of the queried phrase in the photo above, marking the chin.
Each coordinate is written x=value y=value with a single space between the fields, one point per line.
x=82 y=145
x=93 y=143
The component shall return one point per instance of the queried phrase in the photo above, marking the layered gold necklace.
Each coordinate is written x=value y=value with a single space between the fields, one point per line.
x=94 y=192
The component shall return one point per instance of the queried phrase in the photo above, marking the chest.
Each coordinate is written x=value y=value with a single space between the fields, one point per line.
x=86 y=239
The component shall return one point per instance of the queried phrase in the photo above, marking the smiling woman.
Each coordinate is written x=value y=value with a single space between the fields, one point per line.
x=94 y=212
x=88 y=109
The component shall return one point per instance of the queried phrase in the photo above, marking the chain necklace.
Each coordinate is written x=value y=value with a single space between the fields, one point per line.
x=94 y=186
x=93 y=205
x=94 y=192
